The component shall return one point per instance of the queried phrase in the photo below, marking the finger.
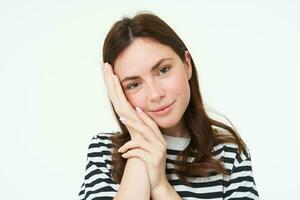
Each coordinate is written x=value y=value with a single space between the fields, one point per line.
x=109 y=84
x=142 y=128
x=116 y=93
x=122 y=99
x=139 y=153
x=140 y=143
x=107 y=79
x=150 y=123
x=119 y=89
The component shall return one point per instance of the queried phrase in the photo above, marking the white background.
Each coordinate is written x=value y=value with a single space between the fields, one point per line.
x=53 y=99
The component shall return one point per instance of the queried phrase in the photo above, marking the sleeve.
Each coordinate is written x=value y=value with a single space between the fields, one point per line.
x=241 y=184
x=97 y=179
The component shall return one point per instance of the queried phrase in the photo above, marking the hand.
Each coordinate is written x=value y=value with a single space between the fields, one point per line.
x=115 y=92
x=152 y=149
x=144 y=132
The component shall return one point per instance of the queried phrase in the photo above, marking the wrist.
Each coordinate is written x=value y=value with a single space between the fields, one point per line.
x=161 y=190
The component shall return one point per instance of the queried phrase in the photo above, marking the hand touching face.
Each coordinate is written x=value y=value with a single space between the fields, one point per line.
x=114 y=90
x=153 y=76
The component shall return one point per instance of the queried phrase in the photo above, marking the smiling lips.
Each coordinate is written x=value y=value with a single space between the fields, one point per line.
x=161 y=108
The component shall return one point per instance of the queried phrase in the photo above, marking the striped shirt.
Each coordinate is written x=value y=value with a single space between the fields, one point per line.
x=240 y=184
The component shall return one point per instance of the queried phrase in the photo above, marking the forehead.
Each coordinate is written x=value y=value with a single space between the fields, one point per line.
x=142 y=54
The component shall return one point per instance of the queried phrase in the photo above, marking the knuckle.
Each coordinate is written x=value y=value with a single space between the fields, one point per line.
x=163 y=153
x=138 y=141
x=157 y=162
x=165 y=145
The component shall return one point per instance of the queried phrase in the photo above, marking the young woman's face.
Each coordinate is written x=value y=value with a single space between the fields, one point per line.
x=152 y=89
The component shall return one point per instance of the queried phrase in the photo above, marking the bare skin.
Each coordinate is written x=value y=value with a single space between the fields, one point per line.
x=155 y=87
x=147 y=141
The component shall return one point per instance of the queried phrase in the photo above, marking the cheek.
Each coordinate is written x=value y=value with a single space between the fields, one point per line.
x=137 y=100
x=176 y=85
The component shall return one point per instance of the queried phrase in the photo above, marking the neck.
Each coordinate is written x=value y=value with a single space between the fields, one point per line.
x=179 y=130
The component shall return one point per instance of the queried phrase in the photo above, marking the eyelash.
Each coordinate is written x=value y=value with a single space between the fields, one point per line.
x=165 y=67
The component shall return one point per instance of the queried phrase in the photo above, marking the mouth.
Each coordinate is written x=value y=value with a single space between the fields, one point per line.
x=163 y=109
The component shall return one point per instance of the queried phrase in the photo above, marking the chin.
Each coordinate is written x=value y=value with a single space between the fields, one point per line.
x=165 y=123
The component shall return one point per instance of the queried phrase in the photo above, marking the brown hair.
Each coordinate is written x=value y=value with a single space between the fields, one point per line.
x=203 y=136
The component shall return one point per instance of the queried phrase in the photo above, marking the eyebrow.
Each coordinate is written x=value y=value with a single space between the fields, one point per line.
x=154 y=67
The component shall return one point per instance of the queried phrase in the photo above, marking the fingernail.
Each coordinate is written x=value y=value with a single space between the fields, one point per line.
x=138 y=109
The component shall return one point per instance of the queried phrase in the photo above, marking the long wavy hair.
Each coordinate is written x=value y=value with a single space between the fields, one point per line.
x=205 y=132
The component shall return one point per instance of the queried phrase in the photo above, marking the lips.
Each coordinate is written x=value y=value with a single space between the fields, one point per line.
x=162 y=107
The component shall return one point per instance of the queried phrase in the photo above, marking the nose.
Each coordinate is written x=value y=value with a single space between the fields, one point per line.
x=157 y=91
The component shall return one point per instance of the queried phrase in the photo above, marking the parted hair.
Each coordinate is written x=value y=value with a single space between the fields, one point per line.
x=204 y=131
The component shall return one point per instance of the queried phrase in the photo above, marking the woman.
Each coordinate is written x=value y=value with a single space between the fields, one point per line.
x=168 y=147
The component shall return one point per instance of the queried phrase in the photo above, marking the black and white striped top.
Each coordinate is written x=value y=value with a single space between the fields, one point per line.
x=98 y=183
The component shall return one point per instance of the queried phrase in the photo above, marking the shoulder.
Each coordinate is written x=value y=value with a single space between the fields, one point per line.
x=100 y=144
x=101 y=139
x=229 y=154
x=230 y=151
x=103 y=135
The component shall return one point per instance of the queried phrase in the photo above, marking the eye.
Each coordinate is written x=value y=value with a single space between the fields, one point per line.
x=131 y=84
x=166 y=67
x=160 y=70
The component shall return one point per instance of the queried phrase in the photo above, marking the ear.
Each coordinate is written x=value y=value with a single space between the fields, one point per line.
x=188 y=65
